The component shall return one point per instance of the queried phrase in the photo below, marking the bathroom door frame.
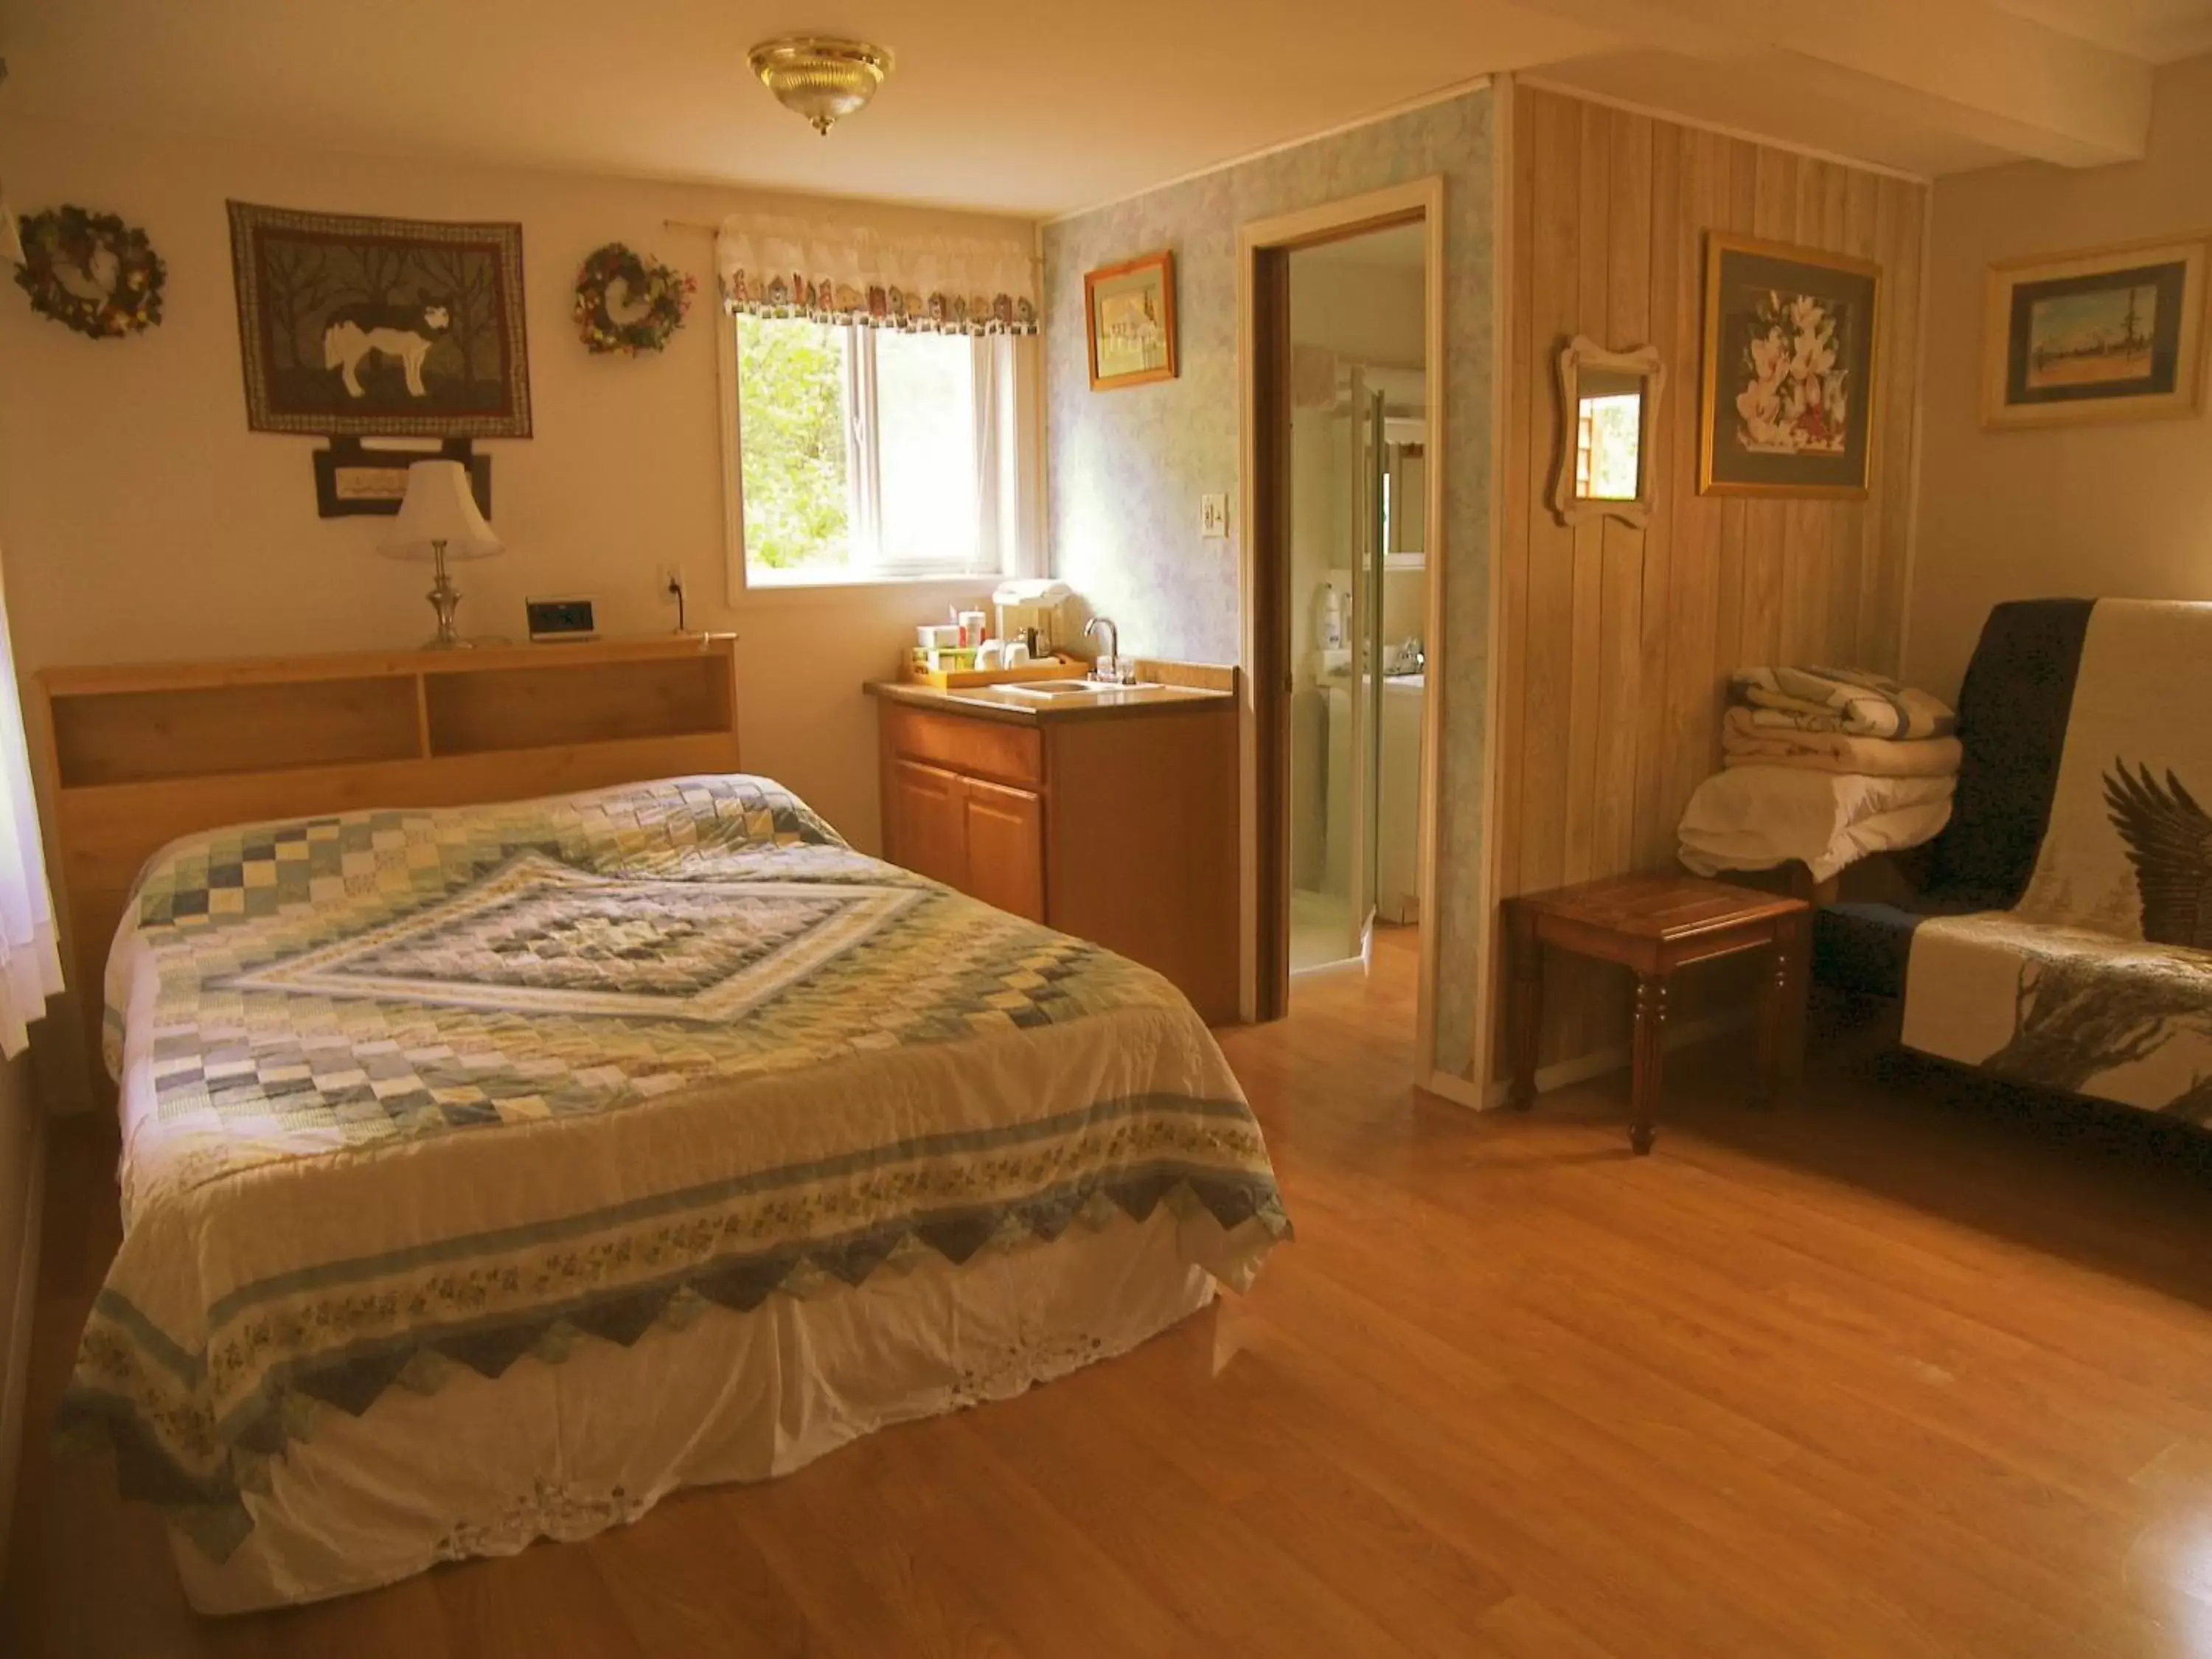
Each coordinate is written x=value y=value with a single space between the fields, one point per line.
x=1263 y=250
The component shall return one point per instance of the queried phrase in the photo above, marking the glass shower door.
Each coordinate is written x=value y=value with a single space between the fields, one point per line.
x=1369 y=463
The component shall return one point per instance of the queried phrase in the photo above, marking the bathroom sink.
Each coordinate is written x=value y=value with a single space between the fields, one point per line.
x=1057 y=689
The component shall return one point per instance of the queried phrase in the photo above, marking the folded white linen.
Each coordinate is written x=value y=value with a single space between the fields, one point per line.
x=1744 y=743
x=1754 y=817
x=1851 y=700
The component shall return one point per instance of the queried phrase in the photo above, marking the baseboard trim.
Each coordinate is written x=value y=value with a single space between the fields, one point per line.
x=1447 y=1085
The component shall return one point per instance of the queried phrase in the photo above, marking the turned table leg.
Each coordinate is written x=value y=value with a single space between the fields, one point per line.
x=1782 y=1033
x=1526 y=1026
x=1797 y=956
x=1648 y=1074
x=1774 y=1022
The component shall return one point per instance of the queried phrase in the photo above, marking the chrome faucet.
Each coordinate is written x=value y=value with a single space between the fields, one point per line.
x=1108 y=667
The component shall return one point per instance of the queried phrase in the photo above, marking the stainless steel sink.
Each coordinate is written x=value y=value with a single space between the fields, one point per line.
x=1053 y=689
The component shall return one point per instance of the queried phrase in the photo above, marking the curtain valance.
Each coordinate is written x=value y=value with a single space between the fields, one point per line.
x=783 y=267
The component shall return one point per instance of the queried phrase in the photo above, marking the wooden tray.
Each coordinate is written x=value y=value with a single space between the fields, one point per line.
x=1055 y=668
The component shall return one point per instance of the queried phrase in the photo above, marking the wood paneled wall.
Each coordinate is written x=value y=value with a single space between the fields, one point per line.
x=1615 y=643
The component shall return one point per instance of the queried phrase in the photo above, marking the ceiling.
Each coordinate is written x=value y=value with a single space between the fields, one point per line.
x=1038 y=110
x=1032 y=109
x=2157 y=31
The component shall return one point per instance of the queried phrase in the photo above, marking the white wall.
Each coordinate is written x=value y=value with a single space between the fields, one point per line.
x=1376 y=314
x=2121 y=508
x=142 y=520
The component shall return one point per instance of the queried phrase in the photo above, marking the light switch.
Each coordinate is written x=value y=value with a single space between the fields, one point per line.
x=1214 y=517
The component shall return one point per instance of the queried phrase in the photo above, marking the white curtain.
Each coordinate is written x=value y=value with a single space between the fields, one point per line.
x=30 y=959
x=773 y=266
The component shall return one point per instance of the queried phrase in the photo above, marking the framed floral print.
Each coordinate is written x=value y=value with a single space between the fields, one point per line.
x=2110 y=334
x=1130 y=317
x=1790 y=358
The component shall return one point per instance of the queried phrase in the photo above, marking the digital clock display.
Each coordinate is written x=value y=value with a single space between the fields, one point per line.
x=561 y=619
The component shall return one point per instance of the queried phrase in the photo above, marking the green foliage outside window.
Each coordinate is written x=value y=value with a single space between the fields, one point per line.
x=791 y=379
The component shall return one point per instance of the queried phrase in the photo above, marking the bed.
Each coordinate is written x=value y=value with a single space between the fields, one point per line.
x=490 y=1171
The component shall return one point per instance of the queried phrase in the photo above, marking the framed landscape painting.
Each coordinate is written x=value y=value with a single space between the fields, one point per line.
x=2111 y=334
x=360 y=327
x=1131 y=320
x=1790 y=357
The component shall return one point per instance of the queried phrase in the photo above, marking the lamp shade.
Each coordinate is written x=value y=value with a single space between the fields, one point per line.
x=440 y=506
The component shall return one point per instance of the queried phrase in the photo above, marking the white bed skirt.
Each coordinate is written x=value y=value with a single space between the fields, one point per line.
x=562 y=1451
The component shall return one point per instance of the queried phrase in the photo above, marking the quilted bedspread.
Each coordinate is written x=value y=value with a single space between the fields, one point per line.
x=404 y=1091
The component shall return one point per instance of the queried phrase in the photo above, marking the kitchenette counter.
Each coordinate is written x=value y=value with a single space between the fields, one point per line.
x=1183 y=687
x=1000 y=703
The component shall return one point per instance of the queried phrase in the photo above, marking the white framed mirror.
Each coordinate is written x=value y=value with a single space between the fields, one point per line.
x=1608 y=413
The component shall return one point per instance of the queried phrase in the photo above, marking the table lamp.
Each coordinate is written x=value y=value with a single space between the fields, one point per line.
x=438 y=521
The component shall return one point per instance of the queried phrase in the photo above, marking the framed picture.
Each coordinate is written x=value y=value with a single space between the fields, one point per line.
x=363 y=327
x=1790 y=358
x=1130 y=313
x=2112 y=334
x=352 y=480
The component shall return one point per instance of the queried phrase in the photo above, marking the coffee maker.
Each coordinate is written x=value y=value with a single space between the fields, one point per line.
x=1035 y=611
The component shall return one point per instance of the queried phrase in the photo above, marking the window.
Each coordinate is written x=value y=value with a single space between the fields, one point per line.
x=1608 y=442
x=866 y=453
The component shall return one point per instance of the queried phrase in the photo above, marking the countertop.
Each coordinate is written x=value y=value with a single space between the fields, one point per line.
x=997 y=702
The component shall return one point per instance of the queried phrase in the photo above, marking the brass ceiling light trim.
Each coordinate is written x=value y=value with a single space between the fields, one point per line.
x=820 y=79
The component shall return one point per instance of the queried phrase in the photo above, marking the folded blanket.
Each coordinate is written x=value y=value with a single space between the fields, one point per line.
x=1745 y=743
x=1849 y=700
x=1755 y=817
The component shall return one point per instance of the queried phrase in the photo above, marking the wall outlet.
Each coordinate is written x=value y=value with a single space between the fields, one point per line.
x=1214 y=517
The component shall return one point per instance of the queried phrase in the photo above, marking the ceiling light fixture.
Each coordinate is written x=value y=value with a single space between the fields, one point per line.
x=820 y=80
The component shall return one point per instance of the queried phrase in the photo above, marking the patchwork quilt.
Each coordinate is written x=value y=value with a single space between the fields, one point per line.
x=405 y=1092
x=2099 y=979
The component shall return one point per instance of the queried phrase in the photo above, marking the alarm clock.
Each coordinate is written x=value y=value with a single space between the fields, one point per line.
x=554 y=622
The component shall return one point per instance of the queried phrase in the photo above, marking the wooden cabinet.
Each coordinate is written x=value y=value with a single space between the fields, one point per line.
x=1117 y=826
x=1005 y=847
x=926 y=820
x=984 y=838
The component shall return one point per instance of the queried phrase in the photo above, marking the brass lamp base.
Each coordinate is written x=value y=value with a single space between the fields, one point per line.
x=445 y=599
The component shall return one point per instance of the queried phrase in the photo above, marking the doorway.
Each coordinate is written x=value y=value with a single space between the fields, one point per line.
x=1343 y=320
x=1358 y=600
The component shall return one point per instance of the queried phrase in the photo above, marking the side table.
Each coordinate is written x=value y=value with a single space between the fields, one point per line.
x=1653 y=925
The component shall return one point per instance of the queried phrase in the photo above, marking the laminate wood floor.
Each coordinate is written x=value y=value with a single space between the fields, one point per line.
x=1911 y=1367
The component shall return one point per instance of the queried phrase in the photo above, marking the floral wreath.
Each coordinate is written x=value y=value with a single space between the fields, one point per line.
x=71 y=238
x=663 y=291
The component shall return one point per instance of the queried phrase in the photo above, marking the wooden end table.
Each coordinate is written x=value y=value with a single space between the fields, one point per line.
x=1652 y=925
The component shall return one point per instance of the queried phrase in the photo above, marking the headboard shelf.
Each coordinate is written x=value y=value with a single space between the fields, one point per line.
x=130 y=757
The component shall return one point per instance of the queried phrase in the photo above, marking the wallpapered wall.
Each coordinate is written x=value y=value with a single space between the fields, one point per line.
x=1126 y=468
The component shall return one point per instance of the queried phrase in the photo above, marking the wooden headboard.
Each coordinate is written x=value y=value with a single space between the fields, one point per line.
x=129 y=758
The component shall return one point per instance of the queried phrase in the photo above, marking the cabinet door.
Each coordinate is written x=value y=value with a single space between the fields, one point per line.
x=1005 y=847
x=926 y=821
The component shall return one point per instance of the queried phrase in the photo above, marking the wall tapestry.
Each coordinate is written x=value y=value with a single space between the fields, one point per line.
x=1790 y=365
x=1130 y=317
x=366 y=327
x=2112 y=334
x=91 y=272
